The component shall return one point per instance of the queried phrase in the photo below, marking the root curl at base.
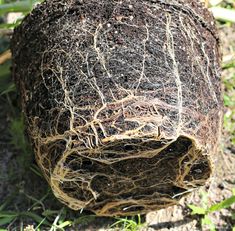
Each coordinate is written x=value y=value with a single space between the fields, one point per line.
x=132 y=176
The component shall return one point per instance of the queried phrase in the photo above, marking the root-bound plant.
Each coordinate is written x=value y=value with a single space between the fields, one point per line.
x=122 y=100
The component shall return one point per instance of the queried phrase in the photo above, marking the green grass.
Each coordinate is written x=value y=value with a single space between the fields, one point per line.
x=229 y=100
x=17 y=6
x=204 y=211
x=128 y=224
x=40 y=210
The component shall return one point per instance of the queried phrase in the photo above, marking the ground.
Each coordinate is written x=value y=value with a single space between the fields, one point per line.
x=25 y=198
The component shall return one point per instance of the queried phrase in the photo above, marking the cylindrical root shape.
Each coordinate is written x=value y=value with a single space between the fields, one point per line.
x=122 y=100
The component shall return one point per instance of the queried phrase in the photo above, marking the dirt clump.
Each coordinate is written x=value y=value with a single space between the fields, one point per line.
x=122 y=100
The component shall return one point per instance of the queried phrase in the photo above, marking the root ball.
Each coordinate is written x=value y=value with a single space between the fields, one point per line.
x=122 y=100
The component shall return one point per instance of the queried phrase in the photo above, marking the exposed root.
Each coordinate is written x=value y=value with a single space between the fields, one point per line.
x=122 y=100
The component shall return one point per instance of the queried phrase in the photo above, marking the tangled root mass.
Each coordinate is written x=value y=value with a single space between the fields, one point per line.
x=122 y=100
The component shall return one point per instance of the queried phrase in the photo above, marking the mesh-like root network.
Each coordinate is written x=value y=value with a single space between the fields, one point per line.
x=122 y=100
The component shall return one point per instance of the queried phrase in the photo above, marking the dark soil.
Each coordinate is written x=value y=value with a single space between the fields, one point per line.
x=222 y=181
x=122 y=100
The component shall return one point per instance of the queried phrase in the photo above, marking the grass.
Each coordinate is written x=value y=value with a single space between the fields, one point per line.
x=229 y=100
x=204 y=211
x=17 y=6
x=33 y=210
x=128 y=224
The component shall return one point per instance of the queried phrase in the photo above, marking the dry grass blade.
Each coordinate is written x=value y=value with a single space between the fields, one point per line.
x=5 y=56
